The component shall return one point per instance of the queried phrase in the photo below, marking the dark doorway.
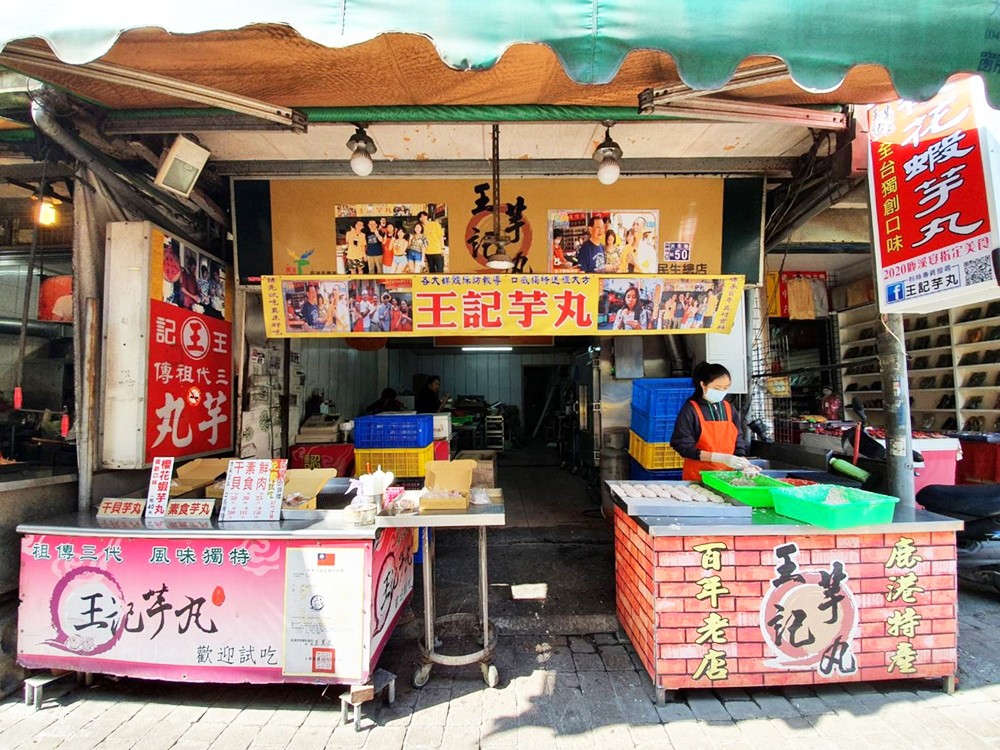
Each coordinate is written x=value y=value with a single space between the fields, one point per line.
x=538 y=381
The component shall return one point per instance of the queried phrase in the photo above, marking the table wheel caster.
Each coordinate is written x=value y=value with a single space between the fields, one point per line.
x=490 y=675
x=421 y=676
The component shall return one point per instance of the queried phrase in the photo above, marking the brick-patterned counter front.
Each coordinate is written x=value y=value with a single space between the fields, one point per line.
x=795 y=609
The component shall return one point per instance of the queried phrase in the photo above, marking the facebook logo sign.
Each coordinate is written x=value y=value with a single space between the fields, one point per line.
x=895 y=293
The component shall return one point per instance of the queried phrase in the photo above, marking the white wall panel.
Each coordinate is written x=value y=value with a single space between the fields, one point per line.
x=494 y=375
x=348 y=377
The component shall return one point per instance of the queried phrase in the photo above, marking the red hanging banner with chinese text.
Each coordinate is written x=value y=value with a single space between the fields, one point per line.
x=933 y=207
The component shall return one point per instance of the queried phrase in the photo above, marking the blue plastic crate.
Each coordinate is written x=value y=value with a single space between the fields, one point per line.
x=653 y=429
x=661 y=397
x=636 y=471
x=394 y=431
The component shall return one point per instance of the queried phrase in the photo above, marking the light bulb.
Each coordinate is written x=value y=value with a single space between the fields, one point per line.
x=361 y=163
x=608 y=171
x=47 y=214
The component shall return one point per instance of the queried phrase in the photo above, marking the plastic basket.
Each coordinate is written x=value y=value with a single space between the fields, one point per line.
x=654 y=455
x=807 y=504
x=660 y=396
x=394 y=431
x=403 y=462
x=761 y=495
x=636 y=471
x=653 y=429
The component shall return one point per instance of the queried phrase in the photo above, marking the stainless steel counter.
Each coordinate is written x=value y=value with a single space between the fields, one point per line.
x=765 y=522
x=321 y=524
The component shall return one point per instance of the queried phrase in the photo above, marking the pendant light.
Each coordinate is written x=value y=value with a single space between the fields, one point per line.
x=608 y=156
x=362 y=147
x=494 y=239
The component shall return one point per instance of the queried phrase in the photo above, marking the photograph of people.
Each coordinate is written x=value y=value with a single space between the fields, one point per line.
x=405 y=322
x=388 y=234
x=562 y=259
x=612 y=256
x=171 y=271
x=356 y=248
x=435 y=242
x=400 y=244
x=204 y=285
x=633 y=315
x=645 y=257
x=383 y=314
x=217 y=290
x=627 y=256
x=373 y=248
x=341 y=310
x=363 y=306
x=708 y=432
x=416 y=249
x=309 y=312
x=590 y=256
x=190 y=295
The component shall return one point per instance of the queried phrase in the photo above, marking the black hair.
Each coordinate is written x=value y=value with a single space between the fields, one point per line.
x=557 y=233
x=423 y=213
x=593 y=218
x=388 y=393
x=432 y=378
x=706 y=372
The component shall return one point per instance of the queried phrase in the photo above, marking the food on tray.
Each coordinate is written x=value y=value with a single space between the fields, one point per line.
x=741 y=481
x=797 y=482
x=685 y=493
x=836 y=496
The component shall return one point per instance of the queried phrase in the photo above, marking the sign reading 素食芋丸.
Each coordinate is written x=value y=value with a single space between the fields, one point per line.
x=933 y=206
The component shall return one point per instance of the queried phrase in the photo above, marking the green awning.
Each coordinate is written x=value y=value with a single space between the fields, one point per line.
x=920 y=42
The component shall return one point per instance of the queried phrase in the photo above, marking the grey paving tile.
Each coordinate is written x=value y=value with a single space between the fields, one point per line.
x=615 y=658
x=580 y=645
x=706 y=707
x=588 y=662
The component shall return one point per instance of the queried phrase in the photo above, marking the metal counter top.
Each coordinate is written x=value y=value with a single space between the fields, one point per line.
x=765 y=522
x=295 y=524
x=328 y=524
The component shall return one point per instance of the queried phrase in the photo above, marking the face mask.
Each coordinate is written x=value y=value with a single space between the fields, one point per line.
x=714 y=395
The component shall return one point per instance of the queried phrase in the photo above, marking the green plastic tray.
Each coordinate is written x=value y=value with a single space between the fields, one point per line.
x=759 y=496
x=806 y=504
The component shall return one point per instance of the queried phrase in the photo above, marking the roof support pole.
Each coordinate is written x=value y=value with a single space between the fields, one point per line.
x=896 y=397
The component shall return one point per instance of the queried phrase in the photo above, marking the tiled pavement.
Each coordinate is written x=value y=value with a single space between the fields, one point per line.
x=555 y=692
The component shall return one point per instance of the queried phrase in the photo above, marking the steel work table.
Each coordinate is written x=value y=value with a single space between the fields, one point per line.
x=476 y=516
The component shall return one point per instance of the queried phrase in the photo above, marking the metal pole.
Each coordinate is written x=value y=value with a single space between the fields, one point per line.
x=896 y=397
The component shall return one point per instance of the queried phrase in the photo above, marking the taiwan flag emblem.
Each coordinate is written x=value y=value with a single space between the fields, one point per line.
x=325 y=559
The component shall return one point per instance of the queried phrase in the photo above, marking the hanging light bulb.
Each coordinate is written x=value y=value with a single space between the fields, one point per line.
x=362 y=148
x=608 y=155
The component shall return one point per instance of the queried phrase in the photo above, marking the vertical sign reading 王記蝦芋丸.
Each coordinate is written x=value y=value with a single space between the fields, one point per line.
x=932 y=202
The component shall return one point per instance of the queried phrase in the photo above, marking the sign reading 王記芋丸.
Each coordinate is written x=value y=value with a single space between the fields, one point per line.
x=168 y=369
x=553 y=304
x=933 y=206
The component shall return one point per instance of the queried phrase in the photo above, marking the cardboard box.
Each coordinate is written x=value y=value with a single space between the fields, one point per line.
x=308 y=483
x=197 y=474
x=485 y=472
x=455 y=476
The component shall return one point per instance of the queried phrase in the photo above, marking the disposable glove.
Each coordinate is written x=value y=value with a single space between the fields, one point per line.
x=738 y=463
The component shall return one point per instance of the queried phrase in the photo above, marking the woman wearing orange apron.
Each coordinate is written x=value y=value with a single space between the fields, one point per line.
x=707 y=432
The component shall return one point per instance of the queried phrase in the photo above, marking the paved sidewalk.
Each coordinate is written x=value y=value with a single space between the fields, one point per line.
x=555 y=692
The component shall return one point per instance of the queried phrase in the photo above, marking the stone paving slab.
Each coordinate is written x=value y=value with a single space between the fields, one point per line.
x=555 y=692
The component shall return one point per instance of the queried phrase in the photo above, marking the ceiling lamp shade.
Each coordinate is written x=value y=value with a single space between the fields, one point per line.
x=362 y=147
x=499 y=259
x=608 y=155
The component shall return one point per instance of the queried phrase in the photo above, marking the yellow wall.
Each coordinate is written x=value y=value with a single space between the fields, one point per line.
x=303 y=211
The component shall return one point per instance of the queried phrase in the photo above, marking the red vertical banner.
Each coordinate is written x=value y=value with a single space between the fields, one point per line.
x=189 y=396
x=932 y=203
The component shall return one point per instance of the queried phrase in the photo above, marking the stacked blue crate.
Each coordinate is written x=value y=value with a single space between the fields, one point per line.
x=656 y=402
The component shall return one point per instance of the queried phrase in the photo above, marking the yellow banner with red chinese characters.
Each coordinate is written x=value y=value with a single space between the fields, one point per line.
x=498 y=305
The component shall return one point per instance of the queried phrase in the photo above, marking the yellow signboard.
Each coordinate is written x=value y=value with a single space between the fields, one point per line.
x=498 y=305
